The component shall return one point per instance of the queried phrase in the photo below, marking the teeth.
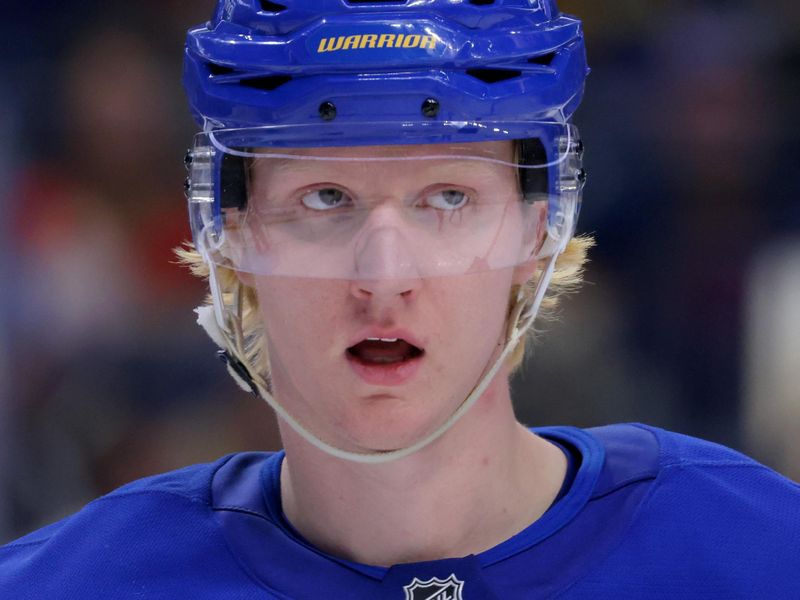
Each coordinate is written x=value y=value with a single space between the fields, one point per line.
x=382 y=339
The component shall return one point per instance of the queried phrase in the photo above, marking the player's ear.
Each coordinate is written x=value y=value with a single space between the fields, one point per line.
x=533 y=240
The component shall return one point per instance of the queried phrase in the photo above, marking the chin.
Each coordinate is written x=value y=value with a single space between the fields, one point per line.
x=386 y=423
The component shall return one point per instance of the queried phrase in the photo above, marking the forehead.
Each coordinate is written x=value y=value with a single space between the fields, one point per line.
x=471 y=160
x=502 y=150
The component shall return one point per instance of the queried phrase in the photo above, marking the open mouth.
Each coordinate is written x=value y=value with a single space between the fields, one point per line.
x=384 y=351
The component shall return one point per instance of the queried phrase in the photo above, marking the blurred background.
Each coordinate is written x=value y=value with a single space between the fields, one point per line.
x=690 y=318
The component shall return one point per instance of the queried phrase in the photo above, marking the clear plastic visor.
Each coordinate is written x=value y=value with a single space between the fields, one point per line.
x=378 y=212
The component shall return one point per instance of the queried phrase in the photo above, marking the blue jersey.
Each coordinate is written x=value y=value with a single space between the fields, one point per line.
x=648 y=514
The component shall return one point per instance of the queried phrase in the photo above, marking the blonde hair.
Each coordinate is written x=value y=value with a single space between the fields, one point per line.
x=567 y=277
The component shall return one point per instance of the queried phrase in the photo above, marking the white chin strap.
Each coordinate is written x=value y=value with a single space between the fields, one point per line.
x=223 y=325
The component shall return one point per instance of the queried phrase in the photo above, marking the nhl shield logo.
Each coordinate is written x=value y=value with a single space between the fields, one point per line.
x=434 y=589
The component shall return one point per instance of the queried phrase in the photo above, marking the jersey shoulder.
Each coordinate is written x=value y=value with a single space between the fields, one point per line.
x=691 y=476
x=634 y=450
x=710 y=519
x=189 y=484
x=129 y=543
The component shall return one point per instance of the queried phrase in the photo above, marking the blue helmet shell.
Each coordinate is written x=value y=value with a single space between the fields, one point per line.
x=362 y=71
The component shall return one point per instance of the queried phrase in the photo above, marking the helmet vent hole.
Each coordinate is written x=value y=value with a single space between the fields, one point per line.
x=545 y=59
x=481 y=2
x=493 y=75
x=219 y=70
x=271 y=7
x=267 y=83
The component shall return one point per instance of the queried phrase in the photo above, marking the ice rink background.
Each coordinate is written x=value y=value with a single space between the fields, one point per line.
x=690 y=318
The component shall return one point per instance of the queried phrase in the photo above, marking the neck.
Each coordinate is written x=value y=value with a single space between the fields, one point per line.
x=482 y=482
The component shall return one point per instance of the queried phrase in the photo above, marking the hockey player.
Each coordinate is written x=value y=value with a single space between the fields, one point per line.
x=383 y=197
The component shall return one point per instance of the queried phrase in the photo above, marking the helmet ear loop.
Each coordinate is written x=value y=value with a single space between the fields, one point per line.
x=235 y=318
x=526 y=307
x=229 y=333
x=515 y=313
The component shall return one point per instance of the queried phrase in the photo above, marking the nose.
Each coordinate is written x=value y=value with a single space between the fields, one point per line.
x=385 y=263
x=368 y=289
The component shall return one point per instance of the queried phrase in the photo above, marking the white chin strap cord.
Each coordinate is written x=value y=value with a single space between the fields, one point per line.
x=224 y=326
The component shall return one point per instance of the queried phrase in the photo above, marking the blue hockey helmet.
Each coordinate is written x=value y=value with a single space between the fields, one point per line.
x=263 y=77
x=352 y=61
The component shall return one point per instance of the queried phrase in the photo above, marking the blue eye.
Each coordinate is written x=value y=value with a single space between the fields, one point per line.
x=447 y=199
x=325 y=199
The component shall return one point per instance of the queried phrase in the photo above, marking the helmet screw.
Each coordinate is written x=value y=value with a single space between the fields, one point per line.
x=187 y=186
x=430 y=107
x=581 y=176
x=187 y=159
x=327 y=111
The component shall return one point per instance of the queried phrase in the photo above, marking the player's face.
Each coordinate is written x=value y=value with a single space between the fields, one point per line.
x=376 y=362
